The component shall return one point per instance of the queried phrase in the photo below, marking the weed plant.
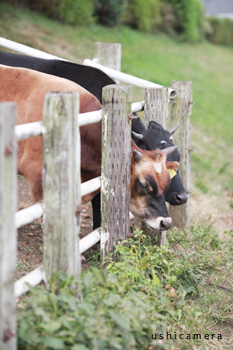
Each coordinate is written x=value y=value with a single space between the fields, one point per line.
x=148 y=290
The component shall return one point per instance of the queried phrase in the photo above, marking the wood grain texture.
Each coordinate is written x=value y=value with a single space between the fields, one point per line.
x=116 y=163
x=108 y=54
x=180 y=113
x=61 y=184
x=8 y=240
x=156 y=106
x=156 y=109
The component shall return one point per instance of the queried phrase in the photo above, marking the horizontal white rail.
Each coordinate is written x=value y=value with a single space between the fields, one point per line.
x=131 y=216
x=32 y=279
x=89 y=118
x=12 y=45
x=90 y=186
x=127 y=78
x=137 y=106
x=27 y=215
x=36 y=276
x=88 y=241
x=25 y=131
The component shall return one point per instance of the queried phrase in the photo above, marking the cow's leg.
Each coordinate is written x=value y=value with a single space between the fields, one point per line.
x=36 y=188
x=32 y=171
x=35 y=183
x=96 y=211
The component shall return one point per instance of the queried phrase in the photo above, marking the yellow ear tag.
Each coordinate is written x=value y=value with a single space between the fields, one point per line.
x=172 y=173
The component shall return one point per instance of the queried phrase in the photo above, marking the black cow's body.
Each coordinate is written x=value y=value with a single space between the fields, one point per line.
x=94 y=80
x=90 y=78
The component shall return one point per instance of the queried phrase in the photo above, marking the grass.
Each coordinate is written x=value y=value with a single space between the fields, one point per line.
x=182 y=289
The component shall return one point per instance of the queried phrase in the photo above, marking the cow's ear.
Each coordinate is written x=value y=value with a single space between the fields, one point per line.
x=154 y=126
x=172 y=165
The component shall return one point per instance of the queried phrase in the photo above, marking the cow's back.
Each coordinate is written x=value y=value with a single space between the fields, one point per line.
x=90 y=78
x=28 y=89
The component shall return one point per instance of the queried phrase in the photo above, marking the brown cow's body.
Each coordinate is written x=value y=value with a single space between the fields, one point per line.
x=149 y=176
x=28 y=89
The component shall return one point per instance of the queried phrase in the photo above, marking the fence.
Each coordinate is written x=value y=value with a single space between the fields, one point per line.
x=60 y=223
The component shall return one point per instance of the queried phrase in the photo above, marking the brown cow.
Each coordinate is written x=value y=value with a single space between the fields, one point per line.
x=149 y=175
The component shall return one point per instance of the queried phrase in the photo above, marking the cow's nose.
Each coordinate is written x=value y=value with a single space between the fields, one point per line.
x=165 y=224
x=181 y=198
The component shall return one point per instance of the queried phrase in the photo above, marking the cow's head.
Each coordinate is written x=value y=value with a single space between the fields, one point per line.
x=157 y=137
x=149 y=182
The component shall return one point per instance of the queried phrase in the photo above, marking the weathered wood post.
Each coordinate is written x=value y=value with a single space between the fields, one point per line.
x=61 y=183
x=180 y=111
x=8 y=201
x=156 y=106
x=156 y=109
x=116 y=166
x=108 y=54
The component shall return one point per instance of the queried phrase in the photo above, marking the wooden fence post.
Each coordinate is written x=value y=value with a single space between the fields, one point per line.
x=61 y=183
x=156 y=109
x=156 y=106
x=8 y=200
x=116 y=166
x=108 y=54
x=180 y=112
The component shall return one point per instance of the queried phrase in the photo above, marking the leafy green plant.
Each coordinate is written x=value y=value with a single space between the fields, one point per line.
x=68 y=11
x=154 y=267
x=143 y=16
x=220 y=30
x=74 y=12
x=184 y=17
x=109 y=316
x=148 y=290
x=109 y=12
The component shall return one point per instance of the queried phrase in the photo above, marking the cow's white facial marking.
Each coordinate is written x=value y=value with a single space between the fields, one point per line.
x=163 y=141
x=157 y=167
x=156 y=223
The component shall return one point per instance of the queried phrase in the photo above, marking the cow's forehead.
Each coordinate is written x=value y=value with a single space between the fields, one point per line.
x=157 y=135
x=151 y=164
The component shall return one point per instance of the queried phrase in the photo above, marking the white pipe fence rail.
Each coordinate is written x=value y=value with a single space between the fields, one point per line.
x=127 y=78
x=26 y=50
x=25 y=131
x=156 y=96
x=115 y=74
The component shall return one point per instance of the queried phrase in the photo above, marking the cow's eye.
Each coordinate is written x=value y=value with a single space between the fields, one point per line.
x=144 y=187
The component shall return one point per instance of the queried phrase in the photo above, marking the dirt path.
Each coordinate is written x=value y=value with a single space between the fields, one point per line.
x=214 y=209
x=30 y=237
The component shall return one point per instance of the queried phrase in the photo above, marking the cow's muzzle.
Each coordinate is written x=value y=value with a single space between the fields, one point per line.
x=160 y=223
x=177 y=198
